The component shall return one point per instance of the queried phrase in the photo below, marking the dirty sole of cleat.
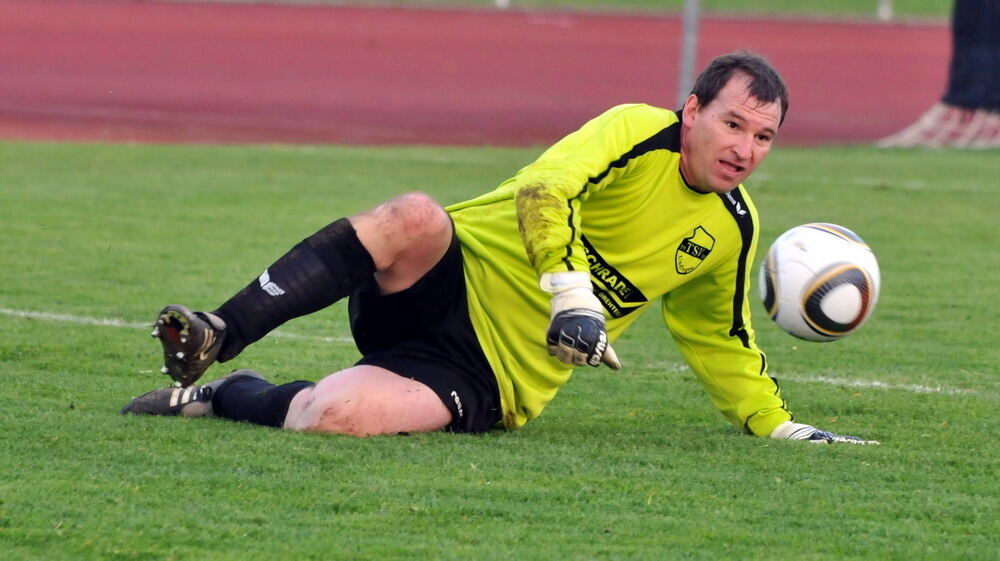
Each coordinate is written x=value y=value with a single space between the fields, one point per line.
x=190 y=343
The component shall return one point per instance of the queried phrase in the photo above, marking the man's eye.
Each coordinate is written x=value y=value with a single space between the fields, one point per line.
x=763 y=138
x=732 y=124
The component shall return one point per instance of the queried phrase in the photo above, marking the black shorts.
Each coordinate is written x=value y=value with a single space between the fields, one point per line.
x=424 y=333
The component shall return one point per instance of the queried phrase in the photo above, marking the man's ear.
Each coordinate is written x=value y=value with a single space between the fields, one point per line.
x=690 y=110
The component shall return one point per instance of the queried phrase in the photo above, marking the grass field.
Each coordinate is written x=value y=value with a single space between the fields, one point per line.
x=629 y=465
x=836 y=8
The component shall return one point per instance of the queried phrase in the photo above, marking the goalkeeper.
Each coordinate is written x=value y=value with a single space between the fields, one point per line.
x=471 y=317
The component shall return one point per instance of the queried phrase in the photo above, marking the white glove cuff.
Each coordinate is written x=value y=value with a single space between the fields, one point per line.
x=554 y=283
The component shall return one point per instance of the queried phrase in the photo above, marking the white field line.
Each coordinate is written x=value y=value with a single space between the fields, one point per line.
x=110 y=322
x=833 y=381
x=827 y=380
x=849 y=383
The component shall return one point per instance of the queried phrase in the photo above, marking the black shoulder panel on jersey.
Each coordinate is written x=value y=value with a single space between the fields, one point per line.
x=667 y=139
x=738 y=208
x=740 y=211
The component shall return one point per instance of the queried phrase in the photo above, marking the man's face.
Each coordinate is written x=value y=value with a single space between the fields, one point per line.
x=724 y=142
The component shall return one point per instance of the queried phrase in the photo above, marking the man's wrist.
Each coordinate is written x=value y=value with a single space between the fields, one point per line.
x=571 y=290
x=561 y=281
x=797 y=431
x=790 y=430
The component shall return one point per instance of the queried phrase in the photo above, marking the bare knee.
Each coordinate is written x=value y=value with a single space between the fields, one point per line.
x=341 y=417
x=365 y=401
x=417 y=214
x=338 y=413
x=405 y=237
x=404 y=224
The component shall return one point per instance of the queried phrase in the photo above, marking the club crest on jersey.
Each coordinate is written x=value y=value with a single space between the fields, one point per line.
x=693 y=250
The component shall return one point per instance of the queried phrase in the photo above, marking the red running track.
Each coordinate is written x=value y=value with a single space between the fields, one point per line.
x=191 y=72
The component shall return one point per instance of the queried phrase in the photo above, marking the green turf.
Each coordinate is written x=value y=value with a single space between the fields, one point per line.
x=630 y=465
x=937 y=9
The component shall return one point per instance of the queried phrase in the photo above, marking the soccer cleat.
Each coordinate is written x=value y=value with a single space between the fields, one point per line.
x=195 y=401
x=191 y=342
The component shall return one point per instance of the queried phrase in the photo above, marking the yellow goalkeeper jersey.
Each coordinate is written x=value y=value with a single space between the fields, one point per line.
x=609 y=198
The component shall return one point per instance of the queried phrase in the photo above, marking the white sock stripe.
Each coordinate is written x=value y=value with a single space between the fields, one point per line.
x=175 y=397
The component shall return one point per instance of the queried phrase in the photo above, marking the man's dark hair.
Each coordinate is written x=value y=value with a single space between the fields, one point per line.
x=765 y=83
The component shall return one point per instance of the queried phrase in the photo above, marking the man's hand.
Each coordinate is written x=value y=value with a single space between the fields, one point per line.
x=797 y=431
x=578 y=336
x=577 y=333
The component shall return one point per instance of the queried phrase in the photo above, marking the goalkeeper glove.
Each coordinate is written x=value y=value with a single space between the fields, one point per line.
x=797 y=431
x=577 y=332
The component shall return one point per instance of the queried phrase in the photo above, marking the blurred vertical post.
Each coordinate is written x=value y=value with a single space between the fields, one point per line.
x=502 y=4
x=689 y=48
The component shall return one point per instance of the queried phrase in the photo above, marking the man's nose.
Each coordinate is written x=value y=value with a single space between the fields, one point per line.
x=743 y=148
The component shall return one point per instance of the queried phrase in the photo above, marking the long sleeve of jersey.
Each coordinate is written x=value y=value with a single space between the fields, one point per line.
x=709 y=320
x=551 y=190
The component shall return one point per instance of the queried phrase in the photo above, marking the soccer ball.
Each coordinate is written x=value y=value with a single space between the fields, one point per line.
x=819 y=281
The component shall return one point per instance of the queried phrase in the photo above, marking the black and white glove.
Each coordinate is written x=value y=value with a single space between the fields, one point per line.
x=577 y=331
x=797 y=431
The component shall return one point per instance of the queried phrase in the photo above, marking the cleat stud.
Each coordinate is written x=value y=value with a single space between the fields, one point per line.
x=155 y=333
x=179 y=355
x=164 y=370
x=184 y=340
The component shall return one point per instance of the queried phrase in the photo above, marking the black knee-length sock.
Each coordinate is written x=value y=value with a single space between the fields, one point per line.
x=317 y=272
x=251 y=399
